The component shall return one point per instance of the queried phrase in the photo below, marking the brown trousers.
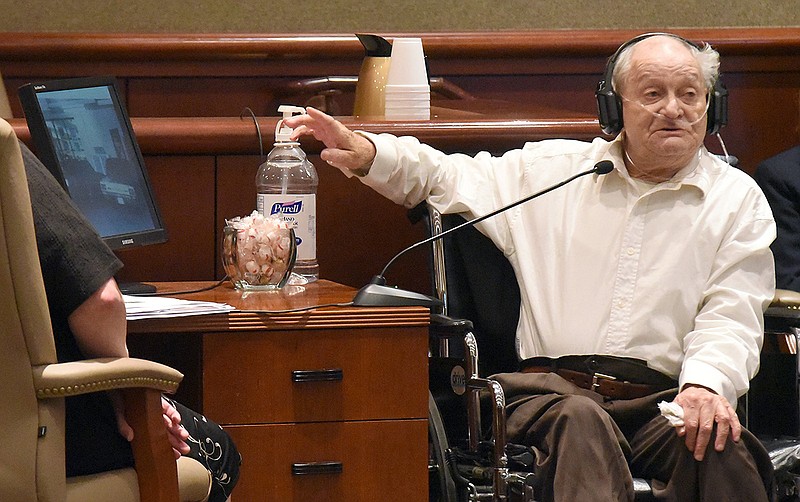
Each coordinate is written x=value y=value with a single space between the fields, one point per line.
x=588 y=448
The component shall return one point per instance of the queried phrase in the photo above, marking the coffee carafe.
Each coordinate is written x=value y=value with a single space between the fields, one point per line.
x=369 y=99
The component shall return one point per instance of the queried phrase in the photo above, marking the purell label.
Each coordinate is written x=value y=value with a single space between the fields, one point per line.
x=301 y=211
x=295 y=207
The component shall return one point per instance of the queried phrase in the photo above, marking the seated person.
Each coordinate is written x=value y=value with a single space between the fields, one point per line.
x=779 y=178
x=88 y=317
x=645 y=284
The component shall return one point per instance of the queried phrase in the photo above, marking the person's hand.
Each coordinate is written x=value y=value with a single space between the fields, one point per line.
x=125 y=430
x=702 y=408
x=176 y=434
x=345 y=149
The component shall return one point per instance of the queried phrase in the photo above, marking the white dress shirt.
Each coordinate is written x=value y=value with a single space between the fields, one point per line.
x=677 y=274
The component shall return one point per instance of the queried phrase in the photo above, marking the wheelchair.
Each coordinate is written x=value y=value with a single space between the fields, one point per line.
x=469 y=458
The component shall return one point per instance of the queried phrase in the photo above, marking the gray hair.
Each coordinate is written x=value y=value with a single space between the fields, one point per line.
x=706 y=56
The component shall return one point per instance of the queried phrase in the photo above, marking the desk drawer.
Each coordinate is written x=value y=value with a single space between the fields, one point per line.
x=365 y=461
x=312 y=376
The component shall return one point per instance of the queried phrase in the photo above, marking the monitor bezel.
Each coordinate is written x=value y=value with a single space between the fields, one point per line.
x=46 y=152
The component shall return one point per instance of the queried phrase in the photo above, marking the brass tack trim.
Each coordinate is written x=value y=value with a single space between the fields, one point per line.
x=109 y=384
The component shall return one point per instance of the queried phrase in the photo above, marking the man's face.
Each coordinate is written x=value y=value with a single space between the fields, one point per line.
x=663 y=102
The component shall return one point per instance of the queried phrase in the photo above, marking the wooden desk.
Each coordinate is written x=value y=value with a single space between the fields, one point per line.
x=339 y=393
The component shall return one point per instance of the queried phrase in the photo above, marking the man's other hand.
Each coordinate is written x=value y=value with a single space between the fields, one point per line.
x=703 y=408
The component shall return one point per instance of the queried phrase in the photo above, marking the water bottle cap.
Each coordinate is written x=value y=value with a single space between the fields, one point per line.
x=282 y=133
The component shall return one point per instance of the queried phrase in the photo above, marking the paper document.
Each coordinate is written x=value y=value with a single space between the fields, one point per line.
x=148 y=307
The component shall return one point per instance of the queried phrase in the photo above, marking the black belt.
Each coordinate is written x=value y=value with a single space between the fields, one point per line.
x=613 y=377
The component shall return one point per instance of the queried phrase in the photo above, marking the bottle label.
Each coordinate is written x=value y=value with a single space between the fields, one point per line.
x=301 y=211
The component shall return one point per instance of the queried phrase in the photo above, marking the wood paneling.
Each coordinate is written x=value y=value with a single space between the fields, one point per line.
x=184 y=190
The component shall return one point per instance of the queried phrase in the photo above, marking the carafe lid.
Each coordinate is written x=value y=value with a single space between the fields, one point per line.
x=375 y=46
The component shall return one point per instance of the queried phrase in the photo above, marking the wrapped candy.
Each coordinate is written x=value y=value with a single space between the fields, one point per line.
x=258 y=251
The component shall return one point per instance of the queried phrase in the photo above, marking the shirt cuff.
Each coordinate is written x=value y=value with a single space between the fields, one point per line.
x=701 y=373
x=384 y=162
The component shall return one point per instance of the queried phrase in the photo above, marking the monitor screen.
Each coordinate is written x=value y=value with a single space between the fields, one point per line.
x=83 y=135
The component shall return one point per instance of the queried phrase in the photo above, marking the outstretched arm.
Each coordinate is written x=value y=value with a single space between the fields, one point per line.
x=344 y=149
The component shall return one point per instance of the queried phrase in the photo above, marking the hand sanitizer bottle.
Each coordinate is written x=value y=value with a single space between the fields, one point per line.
x=286 y=184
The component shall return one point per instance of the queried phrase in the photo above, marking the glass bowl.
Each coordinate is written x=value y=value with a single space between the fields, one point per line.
x=258 y=253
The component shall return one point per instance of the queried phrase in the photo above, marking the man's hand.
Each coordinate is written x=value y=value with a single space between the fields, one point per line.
x=344 y=150
x=702 y=408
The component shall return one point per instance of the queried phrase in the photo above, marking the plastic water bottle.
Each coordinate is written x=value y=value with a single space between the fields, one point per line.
x=286 y=184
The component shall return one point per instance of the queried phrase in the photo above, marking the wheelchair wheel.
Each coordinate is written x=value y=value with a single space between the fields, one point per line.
x=442 y=488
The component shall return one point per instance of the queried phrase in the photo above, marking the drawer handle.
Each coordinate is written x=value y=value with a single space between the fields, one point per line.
x=332 y=375
x=316 y=468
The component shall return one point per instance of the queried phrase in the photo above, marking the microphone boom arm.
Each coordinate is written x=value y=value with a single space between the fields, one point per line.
x=377 y=293
x=486 y=216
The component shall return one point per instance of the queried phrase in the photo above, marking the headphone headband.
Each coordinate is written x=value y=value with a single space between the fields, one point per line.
x=609 y=105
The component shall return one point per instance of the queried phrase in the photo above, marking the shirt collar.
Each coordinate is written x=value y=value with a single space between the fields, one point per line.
x=697 y=173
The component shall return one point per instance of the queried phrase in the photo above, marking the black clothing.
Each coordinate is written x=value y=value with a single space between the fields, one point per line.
x=779 y=178
x=75 y=263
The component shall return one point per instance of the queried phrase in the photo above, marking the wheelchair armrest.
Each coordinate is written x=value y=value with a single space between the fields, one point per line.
x=449 y=326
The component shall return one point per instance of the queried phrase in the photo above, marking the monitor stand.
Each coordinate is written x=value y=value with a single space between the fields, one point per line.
x=136 y=288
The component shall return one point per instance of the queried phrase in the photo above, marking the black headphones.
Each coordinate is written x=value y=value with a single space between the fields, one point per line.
x=609 y=104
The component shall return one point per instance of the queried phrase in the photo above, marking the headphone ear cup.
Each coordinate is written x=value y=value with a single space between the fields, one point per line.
x=717 y=108
x=609 y=110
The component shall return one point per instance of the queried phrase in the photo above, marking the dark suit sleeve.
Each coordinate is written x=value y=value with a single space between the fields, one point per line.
x=779 y=178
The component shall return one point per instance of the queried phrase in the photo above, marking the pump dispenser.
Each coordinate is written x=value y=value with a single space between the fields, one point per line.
x=286 y=185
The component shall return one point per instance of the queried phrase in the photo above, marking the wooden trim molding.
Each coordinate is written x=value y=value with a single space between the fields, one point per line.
x=207 y=47
x=230 y=135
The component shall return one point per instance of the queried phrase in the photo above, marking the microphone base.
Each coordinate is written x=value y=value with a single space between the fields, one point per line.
x=376 y=295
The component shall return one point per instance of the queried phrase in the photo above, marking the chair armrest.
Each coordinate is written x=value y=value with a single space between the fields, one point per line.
x=95 y=375
x=449 y=326
x=141 y=383
x=786 y=298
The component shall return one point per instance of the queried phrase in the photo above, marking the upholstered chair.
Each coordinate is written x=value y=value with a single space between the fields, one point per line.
x=33 y=385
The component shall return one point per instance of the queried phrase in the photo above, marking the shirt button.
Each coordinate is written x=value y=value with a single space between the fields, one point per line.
x=631 y=251
x=621 y=304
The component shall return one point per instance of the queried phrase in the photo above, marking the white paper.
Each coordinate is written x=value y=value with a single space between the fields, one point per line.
x=672 y=412
x=148 y=307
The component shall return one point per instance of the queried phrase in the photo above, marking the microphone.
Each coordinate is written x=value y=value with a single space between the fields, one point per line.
x=378 y=294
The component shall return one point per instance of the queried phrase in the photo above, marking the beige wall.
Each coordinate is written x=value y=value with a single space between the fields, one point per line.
x=348 y=16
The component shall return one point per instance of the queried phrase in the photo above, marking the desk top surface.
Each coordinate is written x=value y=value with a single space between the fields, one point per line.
x=327 y=305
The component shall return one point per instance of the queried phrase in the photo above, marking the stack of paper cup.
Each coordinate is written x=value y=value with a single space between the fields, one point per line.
x=408 y=91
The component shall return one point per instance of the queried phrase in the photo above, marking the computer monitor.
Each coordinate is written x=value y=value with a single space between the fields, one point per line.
x=83 y=135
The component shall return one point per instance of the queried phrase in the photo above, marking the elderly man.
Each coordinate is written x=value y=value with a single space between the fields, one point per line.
x=655 y=275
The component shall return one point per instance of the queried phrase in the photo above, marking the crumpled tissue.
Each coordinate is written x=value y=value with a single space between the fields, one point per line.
x=672 y=412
